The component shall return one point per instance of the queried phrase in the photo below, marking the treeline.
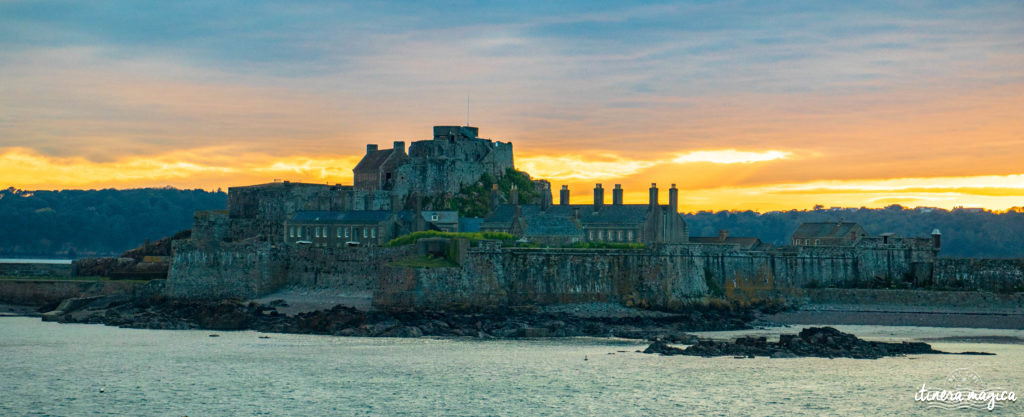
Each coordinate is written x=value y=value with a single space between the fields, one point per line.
x=74 y=223
x=965 y=232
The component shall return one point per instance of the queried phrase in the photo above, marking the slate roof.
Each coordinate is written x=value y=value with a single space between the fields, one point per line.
x=825 y=230
x=625 y=215
x=373 y=160
x=342 y=217
x=446 y=216
x=550 y=225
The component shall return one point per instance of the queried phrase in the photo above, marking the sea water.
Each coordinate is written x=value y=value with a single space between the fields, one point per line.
x=80 y=370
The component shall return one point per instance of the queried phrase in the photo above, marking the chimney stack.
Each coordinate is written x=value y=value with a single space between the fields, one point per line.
x=617 y=195
x=598 y=197
x=673 y=199
x=371 y=147
x=653 y=199
x=399 y=146
x=563 y=196
x=937 y=239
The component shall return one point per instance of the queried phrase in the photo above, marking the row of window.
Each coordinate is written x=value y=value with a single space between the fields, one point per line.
x=807 y=242
x=323 y=232
x=611 y=235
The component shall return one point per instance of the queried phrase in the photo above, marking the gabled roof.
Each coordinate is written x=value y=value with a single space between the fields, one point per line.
x=445 y=216
x=825 y=230
x=624 y=215
x=342 y=217
x=373 y=160
x=550 y=225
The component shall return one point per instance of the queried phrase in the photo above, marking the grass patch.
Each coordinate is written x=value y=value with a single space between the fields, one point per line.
x=425 y=261
x=413 y=237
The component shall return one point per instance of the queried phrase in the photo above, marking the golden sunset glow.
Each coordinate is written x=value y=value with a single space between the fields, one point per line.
x=767 y=109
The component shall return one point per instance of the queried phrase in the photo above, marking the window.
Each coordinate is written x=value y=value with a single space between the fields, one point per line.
x=620 y=235
x=433 y=217
x=339 y=232
x=346 y=231
x=291 y=231
x=300 y=231
x=629 y=235
x=366 y=232
x=817 y=242
x=316 y=231
x=591 y=235
x=600 y=235
x=373 y=232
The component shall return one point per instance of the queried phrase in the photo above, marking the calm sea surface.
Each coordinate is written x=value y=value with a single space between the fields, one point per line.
x=78 y=370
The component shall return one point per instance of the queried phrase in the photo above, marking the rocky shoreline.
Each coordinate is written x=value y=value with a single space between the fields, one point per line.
x=523 y=322
x=820 y=342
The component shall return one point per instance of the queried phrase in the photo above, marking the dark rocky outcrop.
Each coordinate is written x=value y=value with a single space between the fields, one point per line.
x=161 y=313
x=822 y=342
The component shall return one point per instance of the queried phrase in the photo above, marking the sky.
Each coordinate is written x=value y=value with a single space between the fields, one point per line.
x=742 y=105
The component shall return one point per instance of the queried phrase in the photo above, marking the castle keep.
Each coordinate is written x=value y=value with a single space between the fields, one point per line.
x=331 y=238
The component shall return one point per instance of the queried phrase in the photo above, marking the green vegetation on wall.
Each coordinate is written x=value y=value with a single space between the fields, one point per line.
x=413 y=237
x=475 y=200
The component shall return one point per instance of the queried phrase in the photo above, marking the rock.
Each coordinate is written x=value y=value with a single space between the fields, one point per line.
x=824 y=342
x=663 y=349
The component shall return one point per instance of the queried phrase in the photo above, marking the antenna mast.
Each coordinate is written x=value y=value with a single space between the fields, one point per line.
x=467 y=109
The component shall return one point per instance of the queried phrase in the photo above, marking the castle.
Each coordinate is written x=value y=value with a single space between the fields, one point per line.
x=331 y=238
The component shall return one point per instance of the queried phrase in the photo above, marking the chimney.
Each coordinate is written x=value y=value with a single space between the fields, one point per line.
x=653 y=201
x=514 y=195
x=673 y=199
x=937 y=239
x=722 y=235
x=545 y=199
x=563 y=196
x=598 y=197
x=617 y=195
x=399 y=146
x=494 y=196
x=371 y=147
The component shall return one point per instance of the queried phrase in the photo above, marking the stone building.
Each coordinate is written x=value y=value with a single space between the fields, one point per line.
x=454 y=158
x=566 y=223
x=739 y=242
x=346 y=228
x=828 y=234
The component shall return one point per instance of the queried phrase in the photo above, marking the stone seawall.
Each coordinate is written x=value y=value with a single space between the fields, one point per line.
x=504 y=277
x=32 y=292
x=660 y=276
x=30 y=269
x=1004 y=275
x=255 y=269
x=243 y=270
